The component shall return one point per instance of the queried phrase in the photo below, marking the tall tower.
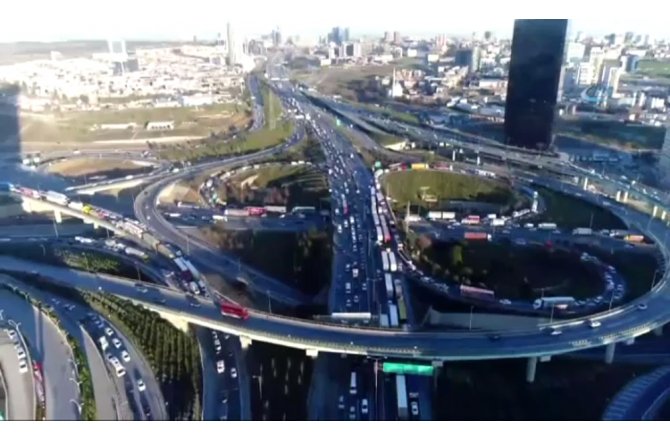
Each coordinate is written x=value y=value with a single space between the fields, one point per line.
x=534 y=77
x=230 y=43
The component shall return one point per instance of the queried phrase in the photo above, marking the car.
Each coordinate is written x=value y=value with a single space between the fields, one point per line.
x=594 y=324
x=494 y=337
x=356 y=299
x=642 y=306
x=505 y=302
x=364 y=406
x=414 y=407
x=108 y=356
x=125 y=356
x=116 y=342
x=555 y=331
x=23 y=366
x=109 y=331
x=220 y=367
x=233 y=373
x=340 y=402
x=140 y=385
x=11 y=333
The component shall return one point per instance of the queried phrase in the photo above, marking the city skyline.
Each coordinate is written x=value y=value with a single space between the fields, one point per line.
x=180 y=24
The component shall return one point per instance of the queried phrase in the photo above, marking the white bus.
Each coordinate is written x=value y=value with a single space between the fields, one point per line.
x=352 y=386
x=393 y=265
x=385 y=261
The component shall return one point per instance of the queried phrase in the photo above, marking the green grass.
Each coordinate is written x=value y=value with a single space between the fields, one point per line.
x=287 y=185
x=301 y=260
x=654 y=68
x=571 y=212
x=406 y=186
x=385 y=138
x=307 y=149
x=632 y=136
x=511 y=271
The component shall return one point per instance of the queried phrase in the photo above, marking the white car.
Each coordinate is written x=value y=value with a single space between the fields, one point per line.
x=594 y=324
x=23 y=366
x=116 y=342
x=125 y=356
x=414 y=407
x=233 y=373
x=364 y=406
x=109 y=331
x=140 y=385
x=220 y=366
x=340 y=403
x=11 y=333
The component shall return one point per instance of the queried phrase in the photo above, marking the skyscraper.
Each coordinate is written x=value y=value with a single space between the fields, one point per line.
x=534 y=76
x=230 y=43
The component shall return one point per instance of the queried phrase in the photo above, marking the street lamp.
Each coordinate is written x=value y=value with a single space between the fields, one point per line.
x=472 y=308
x=77 y=404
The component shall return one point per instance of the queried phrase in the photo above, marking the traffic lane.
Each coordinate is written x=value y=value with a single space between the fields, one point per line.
x=443 y=345
x=222 y=402
x=19 y=386
x=48 y=347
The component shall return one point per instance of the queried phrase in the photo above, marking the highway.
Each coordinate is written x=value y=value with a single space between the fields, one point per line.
x=49 y=348
x=20 y=386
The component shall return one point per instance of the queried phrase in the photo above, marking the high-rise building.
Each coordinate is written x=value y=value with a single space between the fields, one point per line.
x=488 y=35
x=338 y=35
x=387 y=37
x=468 y=57
x=534 y=76
x=609 y=76
x=397 y=38
x=632 y=63
x=574 y=51
x=230 y=43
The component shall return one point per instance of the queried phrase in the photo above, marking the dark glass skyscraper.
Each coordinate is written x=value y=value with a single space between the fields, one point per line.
x=534 y=76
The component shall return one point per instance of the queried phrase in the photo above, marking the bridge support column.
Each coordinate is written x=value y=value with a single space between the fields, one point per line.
x=245 y=342
x=88 y=222
x=586 y=183
x=618 y=196
x=95 y=226
x=58 y=216
x=609 y=353
x=312 y=353
x=453 y=155
x=658 y=331
x=625 y=196
x=531 y=368
x=654 y=211
x=176 y=321
x=664 y=214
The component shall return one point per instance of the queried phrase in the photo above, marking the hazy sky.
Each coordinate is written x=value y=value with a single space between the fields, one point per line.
x=48 y=20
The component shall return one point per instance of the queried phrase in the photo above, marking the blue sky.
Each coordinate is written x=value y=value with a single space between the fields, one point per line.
x=48 y=20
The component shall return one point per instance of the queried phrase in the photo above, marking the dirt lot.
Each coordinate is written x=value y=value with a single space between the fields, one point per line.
x=87 y=166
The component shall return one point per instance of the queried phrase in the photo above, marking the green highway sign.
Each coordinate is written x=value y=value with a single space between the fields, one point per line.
x=398 y=368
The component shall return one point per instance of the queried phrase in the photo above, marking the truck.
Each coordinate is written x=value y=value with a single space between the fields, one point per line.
x=398 y=288
x=191 y=268
x=232 y=212
x=388 y=283
x=472 y=235
x=132 y=228
x=434 y=215
x=234 y=311
x=582 y=231
x=84 y=240
x=634 y=238
x=75 y=205
x=58 y=198
x=393 y=316
x=419 y=166
x=103 y=343
x=193 y=287
x=183 y=270
x=401 y=395
x=476 y=292
x=136 y=253
x=384 y=320
x=558 y=302
x=498 y=222
x=547 y=226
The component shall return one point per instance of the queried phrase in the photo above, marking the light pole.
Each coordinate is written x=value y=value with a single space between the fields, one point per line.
x=551 y=318
x=55 y=227
x=139 y=278
x=44 y=250
x=76 y=382
x=472 y=308
x=77 y=404
x=653 y=280
x=2 y=311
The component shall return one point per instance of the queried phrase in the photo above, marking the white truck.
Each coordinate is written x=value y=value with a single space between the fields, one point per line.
x=58 y=198
x=103 y=343
x=401 y=394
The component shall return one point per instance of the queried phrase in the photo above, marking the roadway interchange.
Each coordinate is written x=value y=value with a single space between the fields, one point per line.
x=622 y=323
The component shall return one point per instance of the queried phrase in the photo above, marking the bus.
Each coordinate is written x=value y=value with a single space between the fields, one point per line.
x=559 y=302
x=380 y=235
x=401 y=396
x=352 y=385
x=385 y=261
x=393 y=265
x=398 y=288
x=388 y=281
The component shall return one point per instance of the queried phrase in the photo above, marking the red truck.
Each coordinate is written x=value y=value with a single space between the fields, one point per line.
x=234 y=311
x=256 y=211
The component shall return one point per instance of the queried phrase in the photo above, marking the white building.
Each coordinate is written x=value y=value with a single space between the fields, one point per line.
x=585 y=74
x=160 y=125
x=574 y=51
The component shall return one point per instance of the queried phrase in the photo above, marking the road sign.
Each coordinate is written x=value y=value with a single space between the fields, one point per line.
x=416 y=369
